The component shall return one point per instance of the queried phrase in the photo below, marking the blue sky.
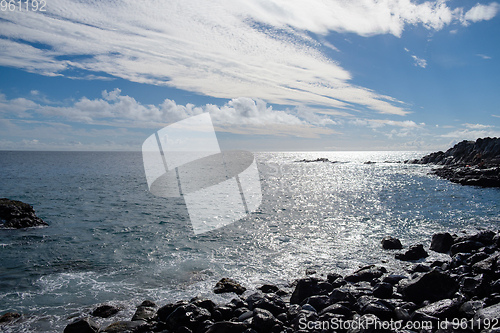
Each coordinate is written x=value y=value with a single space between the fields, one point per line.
x=274 y=75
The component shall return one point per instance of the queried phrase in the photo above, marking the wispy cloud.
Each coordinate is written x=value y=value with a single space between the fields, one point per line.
x=477 y=126
x=483 y=56
x=219 y=48
x=419 y=61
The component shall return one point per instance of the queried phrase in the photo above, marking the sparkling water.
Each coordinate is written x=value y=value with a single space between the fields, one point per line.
x=111 y=241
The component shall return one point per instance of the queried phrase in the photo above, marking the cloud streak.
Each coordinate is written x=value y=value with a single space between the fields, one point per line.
x=219 y=48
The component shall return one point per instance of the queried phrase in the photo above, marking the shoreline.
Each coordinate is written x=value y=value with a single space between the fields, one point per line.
x=465 y=288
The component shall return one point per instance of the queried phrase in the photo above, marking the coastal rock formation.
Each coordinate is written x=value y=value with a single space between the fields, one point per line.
x=17 y=215
x=465 y=287
x=468 y=162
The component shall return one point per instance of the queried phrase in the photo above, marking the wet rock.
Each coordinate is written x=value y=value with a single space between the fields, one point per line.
x=205 y=304
x=318 y=302
x=226 y=285
x=467 y=246
x=166 y=310
x=488 y=265
x=490 y=314
x=367 y=273
x=9 y=317
x=391 y=243
x=105 y=311
x=469 y=308
x=16 y=214
x=475 y=286
x=303 y=316
x=272 y=303
x=305 y=288
x=126 y=327
x=82 y=325
x=187 y=315
x=227 y=327
x=415 y=252
x=445 y=308
x=337 y=309
x=433 y=286
x=146 y=311
x=382 y=290
x=264 y=320
x=268 y=288
x=341 y=295
x=394 y=278
x=441 y=242
x=420 y=268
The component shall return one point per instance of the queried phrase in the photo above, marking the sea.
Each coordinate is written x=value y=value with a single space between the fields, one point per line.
x=110 y=241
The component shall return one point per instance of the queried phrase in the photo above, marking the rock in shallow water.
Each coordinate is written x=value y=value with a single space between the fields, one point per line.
x=441 y=242
x=226 y=285
x=391 y=243
x=17 y=215
x=415 y=252
x=82 y=325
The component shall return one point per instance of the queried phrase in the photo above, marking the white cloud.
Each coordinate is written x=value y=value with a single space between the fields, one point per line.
x=220 y=48
x=481 y=12
x=477 y=126
x=465 y=134
x=495 y=115
x=419 y=62
x=239 y=115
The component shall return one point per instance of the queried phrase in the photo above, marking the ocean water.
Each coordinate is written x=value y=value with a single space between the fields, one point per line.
x=111 y=241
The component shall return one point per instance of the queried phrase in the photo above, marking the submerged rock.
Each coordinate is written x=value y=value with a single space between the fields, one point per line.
x=105 y=311
x=16 y=214
x=9 y=317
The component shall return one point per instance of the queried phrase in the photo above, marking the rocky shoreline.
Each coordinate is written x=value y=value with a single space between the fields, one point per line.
x=460 y=294
x=468 y=162
x=18 y=215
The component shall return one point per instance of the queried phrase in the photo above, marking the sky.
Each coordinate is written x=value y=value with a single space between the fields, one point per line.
x=275 y=75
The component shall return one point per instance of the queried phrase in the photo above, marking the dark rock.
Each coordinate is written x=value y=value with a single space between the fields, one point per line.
x=226 y=285
x=391 y=243
x=382 y=290
x=367 y=273
x=146 y=311
x=393 y=278
x=16 y=214
x=341 y=295
x=105 y=311
x=319 y=302
x=488 y=265
x=415 y=252
x=433 y=286
x=205 y=304
x=253 y=298
x=402 y=314
x=126 y=327
x=469 y=308
x=237 y=302
x=303 y=316
x=82 y=325
x=441 y=242
x=331 y=277
x=222 y=313
x=187 y=315
x=337 y=309
x=268 y=288
x=264 y=320
x=227 y=327
x=467 y=246
x=476 y=258
x=468 y=162
x=272 y=303
x=419 y=268
x=475 y=286
x=445 y=308
x=490 y=314
x=166 y=310
x=305 y=288
x=9 y=317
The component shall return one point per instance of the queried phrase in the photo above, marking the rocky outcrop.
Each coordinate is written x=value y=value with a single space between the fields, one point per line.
x=16 y=214
x=468 y=162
